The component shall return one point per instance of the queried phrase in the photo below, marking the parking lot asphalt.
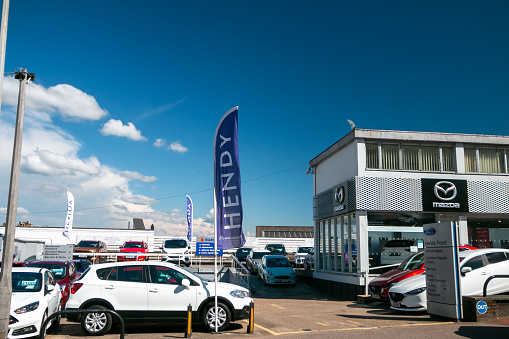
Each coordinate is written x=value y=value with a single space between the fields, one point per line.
x=305 y=312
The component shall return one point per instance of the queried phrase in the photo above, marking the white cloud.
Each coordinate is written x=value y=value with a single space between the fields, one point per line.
x=19 y=210
x=117 y=128
x=160 y=143
x=50 y=163
x=137 y=176
x=64 y=99
x=176 y=146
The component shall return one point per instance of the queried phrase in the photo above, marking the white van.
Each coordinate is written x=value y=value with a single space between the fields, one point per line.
x=176 y=251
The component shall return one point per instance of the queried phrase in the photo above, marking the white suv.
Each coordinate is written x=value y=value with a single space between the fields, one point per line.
x=152 y=291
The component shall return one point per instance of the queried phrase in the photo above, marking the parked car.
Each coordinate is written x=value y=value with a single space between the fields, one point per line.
x=152 y=291
x=276 y=269
x=413 y=265
x=379 y=287
x=132 y=250
x=65 y=273
x=476 y=266
x=86 y=249
x=276 y=249
x=242 y=253
x=82 y=265
x=176 y=251
x=396 y=251
x=35 y=296
x=254 y=257
x=300 y=255
x=309 y=260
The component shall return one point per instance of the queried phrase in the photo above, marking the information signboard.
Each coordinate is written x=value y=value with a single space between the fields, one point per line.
x=58 y=252
x=442 y=270
x=206 y=248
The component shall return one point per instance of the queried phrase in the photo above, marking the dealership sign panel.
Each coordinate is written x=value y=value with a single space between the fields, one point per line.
x=440 y=195
x=442 y=270
x=340 y=202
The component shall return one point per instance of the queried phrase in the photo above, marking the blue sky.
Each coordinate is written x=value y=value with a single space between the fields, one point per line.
x=128 y=95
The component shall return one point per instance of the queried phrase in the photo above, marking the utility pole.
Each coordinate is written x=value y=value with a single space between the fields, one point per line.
x=12 y=205
x=3 y=42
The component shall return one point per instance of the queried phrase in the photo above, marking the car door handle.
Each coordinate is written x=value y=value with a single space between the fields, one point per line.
x=155 y=290
x=110 y=287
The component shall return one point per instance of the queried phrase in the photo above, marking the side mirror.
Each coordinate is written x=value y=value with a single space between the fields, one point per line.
x=186 y=283
x=466 y=270
x=50 y=288
x=189 y=247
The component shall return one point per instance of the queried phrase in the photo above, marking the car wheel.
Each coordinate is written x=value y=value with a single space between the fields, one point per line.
x=42 y=331
x=224 y=316
x=56 y=320
x=265 y=282
x=96 y=323
x=306 y=267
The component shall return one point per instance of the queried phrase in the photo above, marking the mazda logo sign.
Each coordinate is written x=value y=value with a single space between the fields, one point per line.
x=339 y=195
x=445 y=190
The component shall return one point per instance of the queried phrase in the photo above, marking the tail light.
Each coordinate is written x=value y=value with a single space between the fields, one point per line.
x=383 y=250
x=75 y=287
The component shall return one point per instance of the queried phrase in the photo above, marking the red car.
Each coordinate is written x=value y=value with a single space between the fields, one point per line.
x=132 y=247
x=413 y=265
x=65 y=274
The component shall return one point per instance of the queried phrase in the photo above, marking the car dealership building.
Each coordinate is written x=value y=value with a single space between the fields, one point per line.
x=373 y=186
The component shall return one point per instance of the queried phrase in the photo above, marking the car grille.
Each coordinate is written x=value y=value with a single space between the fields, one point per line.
x=282 y=277
x=375 y=289
x=396 y=297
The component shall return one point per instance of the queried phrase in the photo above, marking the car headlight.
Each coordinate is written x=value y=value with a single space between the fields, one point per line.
x=417 y=290
x=294 y=273
x=27 y=308
x=240 y=294
x=270 y=273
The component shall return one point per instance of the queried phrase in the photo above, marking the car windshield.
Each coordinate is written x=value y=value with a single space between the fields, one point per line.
x=84 y=243
x=26 y=282
x=413 y=262
x=276 y=249
x=243 y=251
x=175 y=244
x=59 y=270
x=278 y=262
x=305 y=249
x=259 y=255
x=133 y=245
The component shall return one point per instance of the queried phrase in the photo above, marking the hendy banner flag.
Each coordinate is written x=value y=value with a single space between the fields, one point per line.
x=227 y=198
x=70 y=215
x=189 y=218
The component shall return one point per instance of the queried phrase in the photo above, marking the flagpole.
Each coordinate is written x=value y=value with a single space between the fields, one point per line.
x=215 y=260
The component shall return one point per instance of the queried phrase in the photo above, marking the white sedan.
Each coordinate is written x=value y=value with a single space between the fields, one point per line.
x=476 y=267
x=35 y=296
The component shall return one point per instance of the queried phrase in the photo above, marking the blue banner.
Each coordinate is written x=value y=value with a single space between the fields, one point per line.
x=227 y=197
x=189 y=218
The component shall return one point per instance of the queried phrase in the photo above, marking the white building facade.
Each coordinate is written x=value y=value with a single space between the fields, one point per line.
x=373 y=186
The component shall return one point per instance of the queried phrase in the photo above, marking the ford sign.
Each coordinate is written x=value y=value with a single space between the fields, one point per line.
x=429 y=231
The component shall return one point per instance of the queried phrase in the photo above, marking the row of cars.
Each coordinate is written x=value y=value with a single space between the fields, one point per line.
x=147 y=291
x=405 y=286
x=272 y=264
x=173 y=250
